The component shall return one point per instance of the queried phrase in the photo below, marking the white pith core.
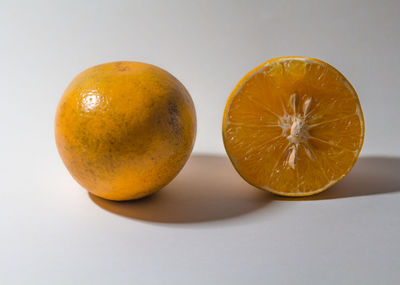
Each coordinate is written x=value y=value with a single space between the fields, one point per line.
x=295 y=129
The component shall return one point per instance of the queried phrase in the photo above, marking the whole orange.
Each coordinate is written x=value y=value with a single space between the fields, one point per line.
x=125 y=129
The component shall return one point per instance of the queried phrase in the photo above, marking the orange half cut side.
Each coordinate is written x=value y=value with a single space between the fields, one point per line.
x=293 y=126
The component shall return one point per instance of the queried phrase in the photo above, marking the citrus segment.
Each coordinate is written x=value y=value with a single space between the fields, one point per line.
x=293 y=126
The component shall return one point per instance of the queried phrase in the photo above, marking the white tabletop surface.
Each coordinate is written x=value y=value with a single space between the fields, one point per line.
x=208 y=226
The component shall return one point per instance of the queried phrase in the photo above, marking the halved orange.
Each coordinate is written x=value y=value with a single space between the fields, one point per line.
x=293 y=126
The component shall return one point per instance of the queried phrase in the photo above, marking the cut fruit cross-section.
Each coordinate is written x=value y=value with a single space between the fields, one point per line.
x=293 y=126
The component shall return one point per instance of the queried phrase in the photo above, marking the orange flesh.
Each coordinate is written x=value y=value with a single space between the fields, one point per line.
x=293 y=126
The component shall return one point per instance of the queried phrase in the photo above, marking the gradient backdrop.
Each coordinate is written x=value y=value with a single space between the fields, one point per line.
x=208 y=226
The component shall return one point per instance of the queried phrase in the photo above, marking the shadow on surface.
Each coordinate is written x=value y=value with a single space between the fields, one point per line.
x=207 y=188
x=371 y=175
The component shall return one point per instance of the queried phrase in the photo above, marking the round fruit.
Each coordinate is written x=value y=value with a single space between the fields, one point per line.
x=293 y=126
x=125 y=129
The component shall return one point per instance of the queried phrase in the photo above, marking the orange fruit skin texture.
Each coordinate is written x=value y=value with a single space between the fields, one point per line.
x=293 y=126
x=125 y=129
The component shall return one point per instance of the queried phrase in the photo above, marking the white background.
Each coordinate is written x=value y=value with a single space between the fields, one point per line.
x=207 y=226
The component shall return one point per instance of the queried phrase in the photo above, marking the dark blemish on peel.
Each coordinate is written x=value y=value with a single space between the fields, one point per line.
x=120 y=66
x=173 y=120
